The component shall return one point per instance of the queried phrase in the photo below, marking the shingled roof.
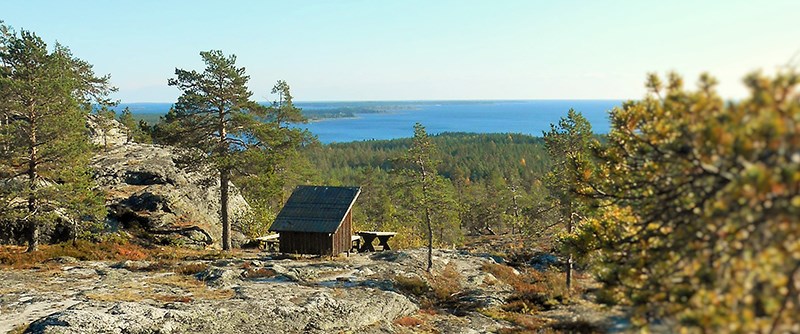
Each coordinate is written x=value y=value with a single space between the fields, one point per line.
x=315 y=209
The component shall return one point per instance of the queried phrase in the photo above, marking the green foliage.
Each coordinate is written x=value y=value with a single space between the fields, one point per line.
x=509 y=166
x=221 y=126
x=136 y=131
x=45 y=97
x=696 y=205
x=568 y=144
x=105 y=120
x=428 y=196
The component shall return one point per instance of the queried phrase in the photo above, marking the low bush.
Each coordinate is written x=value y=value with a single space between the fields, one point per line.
x=531 y=301
x=84 y=250
x=533 y=290
x=446 y=284
x=524 y=323
x=408 y=322
x=259 y=273
x=191 y=268
x=520 y=282
x=411 y=285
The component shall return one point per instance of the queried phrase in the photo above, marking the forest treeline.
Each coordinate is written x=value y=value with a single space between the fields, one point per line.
x=687 y=209
x=495 y=180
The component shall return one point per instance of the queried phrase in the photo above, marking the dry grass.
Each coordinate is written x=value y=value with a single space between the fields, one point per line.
x=111 y=248
x=251 y=272
x=524 y=323
x=84 y=250
x=424 y=321
x=408 y=322
x=191 y=268
x=5 y=291
x=191 y=286
x=173 y=299
x=148 y=288
x=533 y=290
x=118 y=296
x=18 y=329
x=446 y=283
x=411 y=285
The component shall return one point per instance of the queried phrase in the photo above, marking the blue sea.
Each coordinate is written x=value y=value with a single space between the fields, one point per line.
x=395 y=119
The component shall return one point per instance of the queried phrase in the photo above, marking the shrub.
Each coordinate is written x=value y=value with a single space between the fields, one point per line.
x=130 y=252
x=446 y=284
x=522 y=283
x=84 y=250
x=259 y=273
x=412 y=285
x=533 y=290
x=191 y=268
x=408 y=322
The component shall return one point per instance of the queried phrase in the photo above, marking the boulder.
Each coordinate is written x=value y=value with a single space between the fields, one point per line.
x=106 y=132
x=220 y=277
x=147 y=186
x=275 y=309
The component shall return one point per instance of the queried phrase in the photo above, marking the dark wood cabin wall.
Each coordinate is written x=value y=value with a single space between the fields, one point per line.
x=319 y=243
x=341 y=239
x=305 y=243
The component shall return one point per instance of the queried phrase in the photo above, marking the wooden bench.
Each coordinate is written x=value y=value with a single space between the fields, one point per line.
x=369 y=236
x=355 y=243
x=270 y=242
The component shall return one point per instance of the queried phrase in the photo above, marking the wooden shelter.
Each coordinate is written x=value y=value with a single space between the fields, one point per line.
x=317 y=220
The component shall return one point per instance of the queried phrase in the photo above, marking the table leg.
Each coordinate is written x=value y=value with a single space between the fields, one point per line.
x=384 y=241
x=367 y=245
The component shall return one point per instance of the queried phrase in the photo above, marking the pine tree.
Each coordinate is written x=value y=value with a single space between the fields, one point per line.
x=430 y=196
x=568 y=144
x=45 y=97
x=216 y=117
x=698 y=201
x=266 y=180
x=134 y=130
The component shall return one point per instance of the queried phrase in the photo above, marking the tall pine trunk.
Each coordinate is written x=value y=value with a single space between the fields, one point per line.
x=33 y=225
x=569 y=258
x=224 y=177
x=430 y=239
x=425 y=196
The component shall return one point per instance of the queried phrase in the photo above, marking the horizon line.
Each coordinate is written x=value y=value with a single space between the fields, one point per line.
x=427 y=100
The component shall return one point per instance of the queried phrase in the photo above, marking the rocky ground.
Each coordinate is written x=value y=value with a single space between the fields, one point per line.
x=494 y=284
x=258 y=292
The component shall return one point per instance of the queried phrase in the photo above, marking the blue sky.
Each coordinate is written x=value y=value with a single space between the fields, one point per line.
x=422 y=50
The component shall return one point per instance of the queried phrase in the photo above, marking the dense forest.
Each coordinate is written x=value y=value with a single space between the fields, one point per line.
x=686 y=209
x=496 y=180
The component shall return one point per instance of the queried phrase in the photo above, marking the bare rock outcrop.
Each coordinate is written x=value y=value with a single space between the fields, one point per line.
x=277 y=308
x=106 y=132
x=148 y=187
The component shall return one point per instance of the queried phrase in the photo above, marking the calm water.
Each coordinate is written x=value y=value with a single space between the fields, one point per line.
x=388 y=120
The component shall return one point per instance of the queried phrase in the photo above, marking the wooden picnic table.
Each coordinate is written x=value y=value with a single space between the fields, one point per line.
x=368 y=236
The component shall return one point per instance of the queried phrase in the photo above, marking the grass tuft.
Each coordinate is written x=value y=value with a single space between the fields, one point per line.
x=408 y=322
x=191 y=269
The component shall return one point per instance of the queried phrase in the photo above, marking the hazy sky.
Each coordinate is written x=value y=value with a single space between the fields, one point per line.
x=422 y=50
